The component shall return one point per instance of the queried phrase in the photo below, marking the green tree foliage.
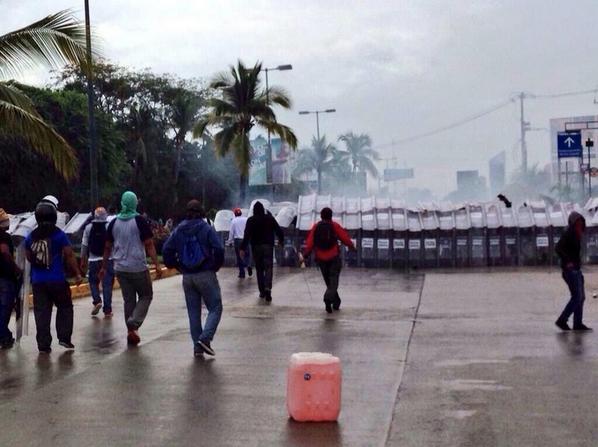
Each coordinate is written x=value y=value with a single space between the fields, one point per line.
x=242 y=104
x=321 y=158
x=361 y=154
x=53 y=41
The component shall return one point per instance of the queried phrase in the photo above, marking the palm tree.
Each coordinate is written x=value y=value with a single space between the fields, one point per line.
x=321 y=157
x=54 y=41
x=242 y=105
x=361 y=153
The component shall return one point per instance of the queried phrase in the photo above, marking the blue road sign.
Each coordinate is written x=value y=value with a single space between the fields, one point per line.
x=569 y=144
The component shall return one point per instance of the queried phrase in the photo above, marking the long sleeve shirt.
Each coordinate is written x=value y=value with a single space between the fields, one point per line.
x=237 y=228
x=260 y=230
x=334 y=251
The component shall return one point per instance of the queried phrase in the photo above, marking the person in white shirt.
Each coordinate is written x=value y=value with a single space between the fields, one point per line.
x=92 y=252
x=235 y=236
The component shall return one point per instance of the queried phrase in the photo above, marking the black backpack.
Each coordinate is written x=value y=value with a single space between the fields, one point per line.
x=97 y=238
x=324 y=236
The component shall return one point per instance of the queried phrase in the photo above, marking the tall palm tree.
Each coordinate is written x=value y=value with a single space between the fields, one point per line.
x=54 y=41
x=243 y=104
x=361 y=153
x=322 y=157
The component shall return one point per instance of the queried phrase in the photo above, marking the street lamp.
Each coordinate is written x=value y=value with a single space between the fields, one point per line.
x=317 y=113
x=93 y=145
x=269 y=147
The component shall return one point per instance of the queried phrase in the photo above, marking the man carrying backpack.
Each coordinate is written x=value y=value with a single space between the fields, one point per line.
x=48 y=249
x=323 y=238
x=196 y=251
x=129 y=239
x=92 y=252
x=259 y=232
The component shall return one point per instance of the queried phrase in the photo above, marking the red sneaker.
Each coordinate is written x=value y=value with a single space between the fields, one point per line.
x=133 y=337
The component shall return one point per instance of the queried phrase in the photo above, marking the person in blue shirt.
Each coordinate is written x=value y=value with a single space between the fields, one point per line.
x=47 y=250
x=197 y=252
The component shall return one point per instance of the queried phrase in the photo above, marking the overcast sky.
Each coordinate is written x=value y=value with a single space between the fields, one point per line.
x=392 y=69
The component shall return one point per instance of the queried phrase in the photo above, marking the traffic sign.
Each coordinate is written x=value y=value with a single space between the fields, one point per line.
x=569 y=144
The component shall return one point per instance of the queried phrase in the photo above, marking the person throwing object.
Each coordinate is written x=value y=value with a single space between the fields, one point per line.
x=323 y=238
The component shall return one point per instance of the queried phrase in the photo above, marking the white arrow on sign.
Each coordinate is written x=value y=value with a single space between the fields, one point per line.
x=569 y=141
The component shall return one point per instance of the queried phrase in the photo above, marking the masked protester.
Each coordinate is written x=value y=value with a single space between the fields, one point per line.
x=196 y=251
x=259 y=232
x=324 y=238
x=129 y=239
x=9 y=280
x=568 y=249
x=48 y=250
x=235 y=237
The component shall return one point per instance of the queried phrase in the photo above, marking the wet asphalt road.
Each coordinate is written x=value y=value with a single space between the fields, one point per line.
x=106 y=394
x=449 y=359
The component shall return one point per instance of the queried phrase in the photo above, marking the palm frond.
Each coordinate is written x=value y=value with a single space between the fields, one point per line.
x=284 y=132
x=18 y=122
x=56 y=40
x=10 y=93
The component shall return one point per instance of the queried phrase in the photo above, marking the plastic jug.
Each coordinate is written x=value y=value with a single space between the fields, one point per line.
x=314 y=387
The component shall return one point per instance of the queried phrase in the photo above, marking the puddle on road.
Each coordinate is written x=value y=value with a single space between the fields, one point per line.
x=468 y=362
x=474 y=385
x=460 y=414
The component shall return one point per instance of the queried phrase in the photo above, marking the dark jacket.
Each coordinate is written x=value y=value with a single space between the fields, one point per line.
x=260 y=228
x=568 y=248
x=208 y=239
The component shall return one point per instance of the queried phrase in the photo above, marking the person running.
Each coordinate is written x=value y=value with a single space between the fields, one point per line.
x=48 y=249
x=197 y=252
x=9 y=280
x=129 y=239
x=323 y=238
x=235 y=236
x=92 y=252
x=259 y=232
x=568 y=248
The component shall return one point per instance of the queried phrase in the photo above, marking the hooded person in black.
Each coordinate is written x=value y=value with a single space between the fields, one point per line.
x=568 y=249
x=259 y=232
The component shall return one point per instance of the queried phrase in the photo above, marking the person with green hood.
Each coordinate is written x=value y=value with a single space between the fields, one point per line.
x=129 y=241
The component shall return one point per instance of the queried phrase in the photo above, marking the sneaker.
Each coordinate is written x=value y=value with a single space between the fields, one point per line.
x=582 y=327
x=108 y=314
x=133 y=337
x=268 y=296
x=205 y=347
x=96 y=308
x=262 y=295
x=250 y=271
x=7 y=344
x=562 y=325
x=197 y=351
x=45 y=350
x=328 y=306
x=337 y=304
x=66 y=344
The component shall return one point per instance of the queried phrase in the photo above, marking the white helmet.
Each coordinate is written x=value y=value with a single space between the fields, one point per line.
x=51 y=199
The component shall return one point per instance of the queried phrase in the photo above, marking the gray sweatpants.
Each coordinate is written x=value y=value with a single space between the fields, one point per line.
x=137 y=293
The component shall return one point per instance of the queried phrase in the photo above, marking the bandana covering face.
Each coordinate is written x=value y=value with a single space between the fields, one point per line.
x=128 y=205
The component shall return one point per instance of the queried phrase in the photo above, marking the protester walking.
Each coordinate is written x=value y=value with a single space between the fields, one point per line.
x=259 y=233
x=9 y=281
x=568 y=249
x=48 y=250
x=323 y=239
x=235 y=237
x=129 y=241
x=92 y=253
x=197 y=252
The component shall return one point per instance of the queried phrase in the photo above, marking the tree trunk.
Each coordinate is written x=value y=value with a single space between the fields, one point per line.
x=242 y=188
x=319 y=181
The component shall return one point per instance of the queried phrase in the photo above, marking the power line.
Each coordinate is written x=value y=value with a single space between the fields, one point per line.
x=560 y=95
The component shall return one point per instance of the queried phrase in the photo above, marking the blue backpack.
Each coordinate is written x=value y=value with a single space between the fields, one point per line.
x=190 y=252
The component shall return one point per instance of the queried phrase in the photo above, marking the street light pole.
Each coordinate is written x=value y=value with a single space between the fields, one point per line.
x=93 y=164
x=317 y=113
x=269 y=146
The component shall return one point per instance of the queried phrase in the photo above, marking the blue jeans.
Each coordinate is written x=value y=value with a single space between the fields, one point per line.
x=8 y=296
x=244 y=262
x=107 y=284
x=202 y=286
x=576 y=283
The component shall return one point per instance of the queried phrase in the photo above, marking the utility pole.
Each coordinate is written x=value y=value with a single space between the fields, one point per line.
x=93 y=145
x=524 y=129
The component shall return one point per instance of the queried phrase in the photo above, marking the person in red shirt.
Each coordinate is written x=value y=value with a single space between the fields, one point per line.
x=323 y=239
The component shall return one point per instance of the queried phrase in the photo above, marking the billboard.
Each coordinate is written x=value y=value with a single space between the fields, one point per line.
x=282 y=158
